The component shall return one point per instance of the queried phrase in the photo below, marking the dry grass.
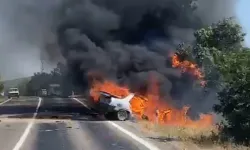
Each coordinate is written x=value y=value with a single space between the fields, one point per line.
x=202 y=137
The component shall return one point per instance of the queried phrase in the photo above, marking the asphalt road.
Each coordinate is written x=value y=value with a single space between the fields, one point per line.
x=59 y=124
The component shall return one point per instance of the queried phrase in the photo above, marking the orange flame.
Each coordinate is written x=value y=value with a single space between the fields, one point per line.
x=187 y=66
x=108 y=87
x=152 y=106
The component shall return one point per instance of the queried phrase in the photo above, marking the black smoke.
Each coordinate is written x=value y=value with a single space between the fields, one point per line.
x=129 y=41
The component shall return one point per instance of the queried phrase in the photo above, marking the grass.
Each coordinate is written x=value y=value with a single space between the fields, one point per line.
x=202 y=137
x=2 y=99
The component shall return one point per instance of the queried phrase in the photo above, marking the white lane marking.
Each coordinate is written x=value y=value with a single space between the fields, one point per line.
x=133 y=136
x=27 y=130
x=5 y=101
x=130 y=134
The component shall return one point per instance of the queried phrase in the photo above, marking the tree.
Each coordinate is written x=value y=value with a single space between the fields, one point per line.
x=1 y=86
x=42 y=80
x=219 y=49
x=226 y=35
x=212 y=42
x=235 y=96
x=38 y=81
x=22 y=86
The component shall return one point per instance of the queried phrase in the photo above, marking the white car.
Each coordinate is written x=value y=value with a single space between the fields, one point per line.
x=115 y=107
x=13 y=92
x=44 y=92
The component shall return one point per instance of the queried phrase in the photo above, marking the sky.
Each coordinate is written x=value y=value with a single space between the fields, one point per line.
x=244 y=18
x=23 y=32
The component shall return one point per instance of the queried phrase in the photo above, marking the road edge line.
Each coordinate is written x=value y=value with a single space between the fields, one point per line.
x=27 y=129
x=133 y=136
x=130 y=134
x=5 y=101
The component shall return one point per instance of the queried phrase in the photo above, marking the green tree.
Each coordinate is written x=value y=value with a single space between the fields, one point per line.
x=235 y=96
x=38 y=81
x=226 y=35
x=212 y=42
x=219 y=49
x=42 y=80
x=1 y=86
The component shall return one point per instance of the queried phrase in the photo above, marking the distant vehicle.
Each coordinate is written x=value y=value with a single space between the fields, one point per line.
x=54 y=90
x=114 y=107
x=44 y=92
x=13 y=92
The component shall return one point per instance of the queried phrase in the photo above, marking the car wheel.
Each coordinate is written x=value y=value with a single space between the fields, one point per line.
x=122 y=115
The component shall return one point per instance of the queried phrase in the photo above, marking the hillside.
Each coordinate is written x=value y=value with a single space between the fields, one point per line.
x=15 y=82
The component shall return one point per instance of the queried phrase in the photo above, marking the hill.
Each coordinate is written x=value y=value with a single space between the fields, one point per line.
x=15 y=82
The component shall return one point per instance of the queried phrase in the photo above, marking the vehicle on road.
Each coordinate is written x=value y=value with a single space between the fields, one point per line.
x=54 y=90
x=114 y=107
x=13 y=92
x=43 y=92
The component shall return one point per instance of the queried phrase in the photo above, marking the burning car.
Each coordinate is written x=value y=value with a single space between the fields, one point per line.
x=113 y=106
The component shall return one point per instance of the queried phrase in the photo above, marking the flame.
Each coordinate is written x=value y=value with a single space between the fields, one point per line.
x=152 y=106
x=187 y=66
x=108 y=87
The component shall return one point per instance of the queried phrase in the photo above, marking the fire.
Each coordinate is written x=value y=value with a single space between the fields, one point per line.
x=152 y=106
x=108 y=87
x=187 y=66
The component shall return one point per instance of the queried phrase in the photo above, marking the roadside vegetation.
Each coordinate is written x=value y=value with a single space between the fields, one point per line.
x=1 y=90
x=42 y=80
x=1 y=85
x=219 y=50
x=190 y=138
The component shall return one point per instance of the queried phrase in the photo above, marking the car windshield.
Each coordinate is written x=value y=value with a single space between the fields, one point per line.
x=13 y=90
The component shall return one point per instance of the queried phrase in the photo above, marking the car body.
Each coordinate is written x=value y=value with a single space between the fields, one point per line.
x=115 y=107
x=54 y=90
x=44 y=92
x=13 y=92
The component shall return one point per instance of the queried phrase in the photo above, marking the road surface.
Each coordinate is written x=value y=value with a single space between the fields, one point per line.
x=33 y=123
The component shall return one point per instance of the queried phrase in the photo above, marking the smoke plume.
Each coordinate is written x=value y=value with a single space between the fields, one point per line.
x=130 y=40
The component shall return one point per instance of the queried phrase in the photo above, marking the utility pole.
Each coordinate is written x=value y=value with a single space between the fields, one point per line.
x=42 y=67
x=42 y=56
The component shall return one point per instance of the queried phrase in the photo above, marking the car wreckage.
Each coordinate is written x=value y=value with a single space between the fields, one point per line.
x=114 y=107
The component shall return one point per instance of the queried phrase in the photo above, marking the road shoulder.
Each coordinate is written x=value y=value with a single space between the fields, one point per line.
x=10 y=133
x=146 y=136
x=119 y=128
x=151 y=137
